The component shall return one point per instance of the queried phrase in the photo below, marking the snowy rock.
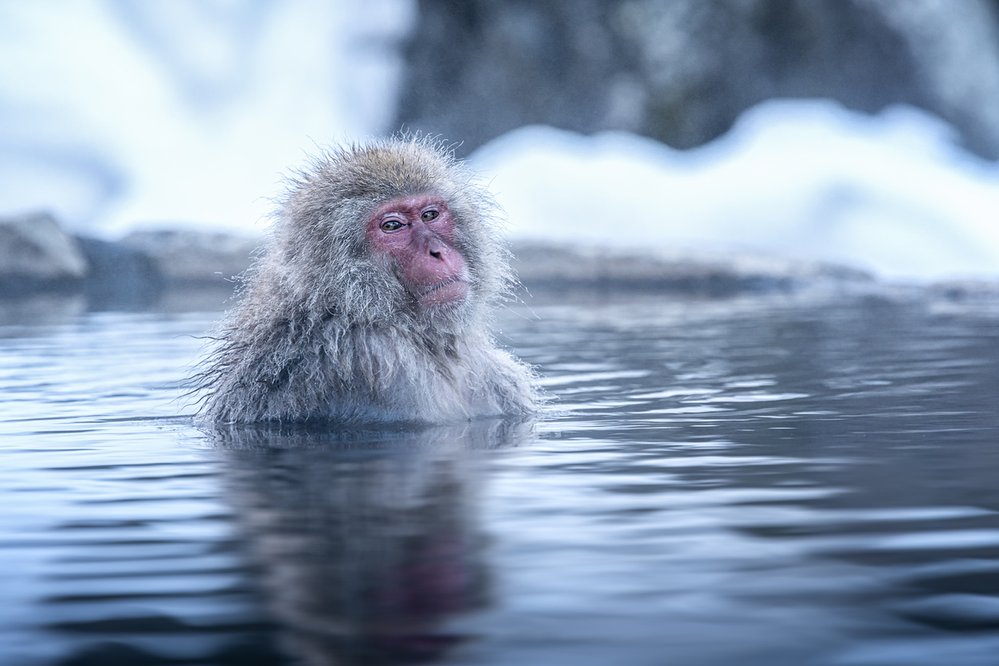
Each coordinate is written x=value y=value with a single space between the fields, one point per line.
x=36 y=254
x=184 y=257
x=38 y=258
x=547 y=266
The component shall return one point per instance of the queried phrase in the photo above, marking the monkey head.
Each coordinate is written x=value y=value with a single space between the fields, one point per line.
x=383 y=264
x=389 y=230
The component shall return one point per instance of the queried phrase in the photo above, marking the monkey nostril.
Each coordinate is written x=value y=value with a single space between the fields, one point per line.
x=436 y=254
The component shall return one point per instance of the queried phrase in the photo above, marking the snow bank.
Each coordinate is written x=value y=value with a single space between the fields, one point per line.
x=891 y=194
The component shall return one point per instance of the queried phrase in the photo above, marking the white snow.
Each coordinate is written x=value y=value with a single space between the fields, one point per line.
x=892 y=194
x=189 y=113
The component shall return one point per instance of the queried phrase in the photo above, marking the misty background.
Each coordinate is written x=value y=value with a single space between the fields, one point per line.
x=859 y=132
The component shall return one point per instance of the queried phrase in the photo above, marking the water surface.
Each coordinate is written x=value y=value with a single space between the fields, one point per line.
x=759 y=481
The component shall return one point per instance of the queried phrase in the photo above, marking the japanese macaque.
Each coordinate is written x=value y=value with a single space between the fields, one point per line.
x=371 y=300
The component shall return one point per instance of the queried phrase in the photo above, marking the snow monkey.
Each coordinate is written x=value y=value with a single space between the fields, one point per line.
x=371 y=300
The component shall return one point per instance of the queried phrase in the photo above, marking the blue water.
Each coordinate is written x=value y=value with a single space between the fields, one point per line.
x=752 y=481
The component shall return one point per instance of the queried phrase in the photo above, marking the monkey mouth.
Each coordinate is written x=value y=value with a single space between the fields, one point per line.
x=450 y=290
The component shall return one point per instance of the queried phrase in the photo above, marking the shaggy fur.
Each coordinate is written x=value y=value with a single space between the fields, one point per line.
x=324 y=329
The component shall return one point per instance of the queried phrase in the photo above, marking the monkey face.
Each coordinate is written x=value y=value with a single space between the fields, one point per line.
x=417 y=234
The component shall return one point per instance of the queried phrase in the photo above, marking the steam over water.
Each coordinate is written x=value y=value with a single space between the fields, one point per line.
x=718 y=482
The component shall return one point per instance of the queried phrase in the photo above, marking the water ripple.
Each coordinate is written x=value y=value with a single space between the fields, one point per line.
x=815 y=483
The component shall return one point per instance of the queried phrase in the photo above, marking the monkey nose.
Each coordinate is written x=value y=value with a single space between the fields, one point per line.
x=436 y=248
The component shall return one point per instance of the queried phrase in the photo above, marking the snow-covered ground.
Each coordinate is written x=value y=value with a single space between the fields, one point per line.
x=124 y=115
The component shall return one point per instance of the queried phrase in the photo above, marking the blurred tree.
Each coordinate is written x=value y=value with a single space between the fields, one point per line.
x=683 y=70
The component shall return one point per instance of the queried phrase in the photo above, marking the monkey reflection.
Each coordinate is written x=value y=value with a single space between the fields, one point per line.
x=369 y=543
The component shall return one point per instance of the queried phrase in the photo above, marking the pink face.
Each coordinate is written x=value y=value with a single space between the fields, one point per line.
x=418 y=233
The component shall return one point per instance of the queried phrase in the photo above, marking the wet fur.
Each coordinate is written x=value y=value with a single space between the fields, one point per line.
x=325 y=331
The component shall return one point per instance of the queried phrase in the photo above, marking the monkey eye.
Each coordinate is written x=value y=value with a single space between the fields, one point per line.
x=390 y=225
x=430 y=215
